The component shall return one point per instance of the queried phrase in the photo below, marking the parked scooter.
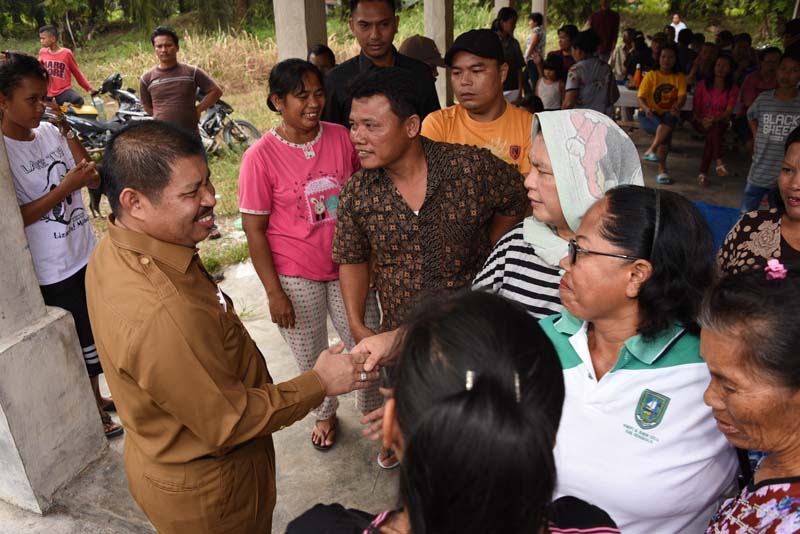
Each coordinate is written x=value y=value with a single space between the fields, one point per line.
x=236 y=133
x=93 y=132
x=129 y=106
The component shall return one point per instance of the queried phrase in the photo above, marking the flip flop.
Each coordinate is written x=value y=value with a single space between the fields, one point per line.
x=390 y=464
x=322 y=446
x=721 y=170
x=114 y=430
x=702 y=179
x=110 y=407
x=651 y=158
x=663 y=179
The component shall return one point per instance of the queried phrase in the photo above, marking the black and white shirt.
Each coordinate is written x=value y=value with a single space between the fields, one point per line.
x=515 y=272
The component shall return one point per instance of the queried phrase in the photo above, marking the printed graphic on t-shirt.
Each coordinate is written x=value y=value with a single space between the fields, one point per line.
x=55 y=69
x=666 y=95
x=322 y=199
x=777 y=126
x=501 y=149
x=69 y=212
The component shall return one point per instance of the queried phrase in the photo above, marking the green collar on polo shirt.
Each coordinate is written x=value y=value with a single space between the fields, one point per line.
x=646 y=351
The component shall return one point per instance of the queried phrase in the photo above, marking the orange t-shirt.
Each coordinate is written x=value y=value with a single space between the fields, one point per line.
x=507 y=137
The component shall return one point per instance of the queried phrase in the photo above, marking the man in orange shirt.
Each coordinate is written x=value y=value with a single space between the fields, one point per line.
x=482 y=116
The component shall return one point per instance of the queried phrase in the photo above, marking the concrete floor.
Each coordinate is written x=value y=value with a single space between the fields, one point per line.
x=99 y=502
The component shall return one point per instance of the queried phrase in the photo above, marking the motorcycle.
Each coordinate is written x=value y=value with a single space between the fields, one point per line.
x=129 y=107
x=93 y=132
x=236 y=133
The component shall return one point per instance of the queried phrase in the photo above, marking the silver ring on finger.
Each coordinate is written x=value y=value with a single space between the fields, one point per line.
x=363 y=376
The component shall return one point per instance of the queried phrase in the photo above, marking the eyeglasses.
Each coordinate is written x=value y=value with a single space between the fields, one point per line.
x=574 y=249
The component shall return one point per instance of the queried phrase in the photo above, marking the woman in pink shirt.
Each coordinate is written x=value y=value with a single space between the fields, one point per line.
x=288 y=195
x=714 y=100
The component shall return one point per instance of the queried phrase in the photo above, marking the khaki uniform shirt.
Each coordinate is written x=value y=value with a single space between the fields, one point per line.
x=187 y=379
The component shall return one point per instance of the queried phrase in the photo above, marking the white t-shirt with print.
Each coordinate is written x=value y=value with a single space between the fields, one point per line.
x=62 y=240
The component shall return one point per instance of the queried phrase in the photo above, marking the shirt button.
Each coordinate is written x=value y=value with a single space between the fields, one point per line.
x=144 y=261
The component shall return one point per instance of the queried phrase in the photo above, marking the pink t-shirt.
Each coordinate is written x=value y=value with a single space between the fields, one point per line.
x=298 y=187
x=713 y=102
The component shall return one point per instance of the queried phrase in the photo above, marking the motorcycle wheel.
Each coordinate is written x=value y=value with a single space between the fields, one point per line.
x=240 y=133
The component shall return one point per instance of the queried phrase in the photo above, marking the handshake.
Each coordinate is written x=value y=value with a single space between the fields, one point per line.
x=342 y=373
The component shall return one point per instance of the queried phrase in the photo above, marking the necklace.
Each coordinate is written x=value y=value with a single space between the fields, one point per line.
x=307 y=148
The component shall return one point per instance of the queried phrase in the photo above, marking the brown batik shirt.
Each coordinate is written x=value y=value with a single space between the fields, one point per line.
x=444 y=246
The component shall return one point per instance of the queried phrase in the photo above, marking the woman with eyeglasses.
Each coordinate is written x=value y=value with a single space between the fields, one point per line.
x=635 y=436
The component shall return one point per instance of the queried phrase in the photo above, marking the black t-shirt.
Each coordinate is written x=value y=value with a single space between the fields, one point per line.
x=566 y=513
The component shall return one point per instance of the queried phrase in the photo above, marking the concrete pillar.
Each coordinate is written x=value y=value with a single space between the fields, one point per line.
x=299 y=25
x=49 y=424
x=438 y=16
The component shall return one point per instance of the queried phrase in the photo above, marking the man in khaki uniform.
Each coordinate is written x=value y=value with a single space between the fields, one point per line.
x=190 y=385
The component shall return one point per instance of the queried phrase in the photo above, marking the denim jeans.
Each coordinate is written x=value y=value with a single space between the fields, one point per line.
x=751 y=198
x=651 y=124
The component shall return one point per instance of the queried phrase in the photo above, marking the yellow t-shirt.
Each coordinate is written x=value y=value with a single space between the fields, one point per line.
x=661 y=91
x=507 y=137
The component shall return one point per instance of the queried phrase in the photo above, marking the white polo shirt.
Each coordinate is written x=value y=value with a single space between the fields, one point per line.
x=640 y=443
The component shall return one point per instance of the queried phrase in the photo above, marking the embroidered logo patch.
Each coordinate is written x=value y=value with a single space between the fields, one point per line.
x=514 y=151
x=650 y=409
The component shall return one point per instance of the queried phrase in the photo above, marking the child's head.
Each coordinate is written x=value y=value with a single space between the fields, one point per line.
x=48 y=36
x=23 y=87
x=535 y=20
x=789 y=71
x=551 y=68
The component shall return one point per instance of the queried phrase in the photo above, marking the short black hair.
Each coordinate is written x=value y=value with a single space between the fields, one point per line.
x=49 y=28
x=392 y=83
x=699 y=38
x=681 y=253
x=17 y=66
x=586 y=41
x=287 y=77
x=538 y=18
x=744 y=36
x=141 y=155
x=570 y=29
x=390 y=3
x=321 y=50
x=479 y=392
x=725 y=36
x=762 y=314
x=685 y=36
x=792 y=138
x=163 y=30
x=768 y=51
x=669 y=45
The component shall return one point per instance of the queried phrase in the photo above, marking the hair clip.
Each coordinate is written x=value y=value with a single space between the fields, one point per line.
x=470 y=380
x=516 y=387
x=775 y=270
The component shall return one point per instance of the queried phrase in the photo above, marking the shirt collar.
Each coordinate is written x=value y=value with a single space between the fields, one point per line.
x=429 y=147
x=646 y=351
x=178 y=257
x=365 y=63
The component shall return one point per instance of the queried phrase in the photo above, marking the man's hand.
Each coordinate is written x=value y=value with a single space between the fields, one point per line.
x=377 y=348
x=342 y=373
x=198 y=112
x=375 y=418
x=281 y=310
x=83 y=174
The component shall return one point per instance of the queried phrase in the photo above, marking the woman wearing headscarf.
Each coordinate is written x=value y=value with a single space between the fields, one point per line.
x=576 y=156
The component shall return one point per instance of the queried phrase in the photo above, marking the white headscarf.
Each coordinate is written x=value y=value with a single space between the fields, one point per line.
x=589 y=155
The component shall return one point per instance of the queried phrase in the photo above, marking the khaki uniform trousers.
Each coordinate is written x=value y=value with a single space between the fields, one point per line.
x=234 y=494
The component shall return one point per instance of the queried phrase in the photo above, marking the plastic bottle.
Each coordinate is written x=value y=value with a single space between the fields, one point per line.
x=637 y=76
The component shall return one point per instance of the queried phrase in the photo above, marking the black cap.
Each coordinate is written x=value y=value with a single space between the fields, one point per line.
x=483 y=43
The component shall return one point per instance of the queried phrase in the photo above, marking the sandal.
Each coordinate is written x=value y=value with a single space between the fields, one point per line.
x=111 y=428
x=702 y=180
x=663 y=179
x=390 y=461
x=108 y=406
x=721 y=170
x=651 y=158
x=330 y=434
